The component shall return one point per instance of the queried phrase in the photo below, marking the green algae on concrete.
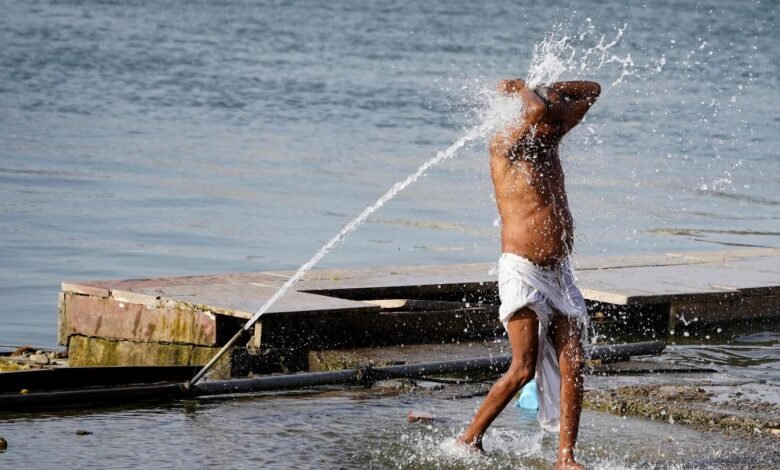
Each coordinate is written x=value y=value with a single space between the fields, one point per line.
x=85 y=351
x=12 y=366
x=330 y=360
x=686 y=404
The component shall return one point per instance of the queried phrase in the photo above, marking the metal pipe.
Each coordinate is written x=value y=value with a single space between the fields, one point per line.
x=339 y=377
x=274 y=382
x=617 y=352
x=167 y=392
x=188 y=385
x=606 y=353
x=314 y=379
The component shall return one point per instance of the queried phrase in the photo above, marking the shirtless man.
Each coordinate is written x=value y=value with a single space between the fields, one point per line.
x=541 y=308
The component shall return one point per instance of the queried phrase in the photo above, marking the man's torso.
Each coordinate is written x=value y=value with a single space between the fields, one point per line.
x=531 y=197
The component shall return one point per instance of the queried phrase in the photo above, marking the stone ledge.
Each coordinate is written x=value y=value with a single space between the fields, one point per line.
x=85 y=351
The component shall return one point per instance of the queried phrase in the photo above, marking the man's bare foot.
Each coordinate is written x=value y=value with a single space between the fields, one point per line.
x=474 y=445
x=567 y=463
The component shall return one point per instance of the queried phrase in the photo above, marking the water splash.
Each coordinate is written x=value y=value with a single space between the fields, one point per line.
x=561 y=53
x=436 y=447
x=552 y=58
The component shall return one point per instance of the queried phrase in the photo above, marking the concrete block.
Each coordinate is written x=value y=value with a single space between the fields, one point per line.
x=62 y=337
x=108 y=318
x=89 y=352
x=350 y=358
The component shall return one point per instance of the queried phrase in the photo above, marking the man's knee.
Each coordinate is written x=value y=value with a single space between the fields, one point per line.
x=520 y=374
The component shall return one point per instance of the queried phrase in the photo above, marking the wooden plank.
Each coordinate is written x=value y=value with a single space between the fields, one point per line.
x=703 y=282
x=145 y=284
x=121 y=296
x=649 y=285
x=599 y=286
x=672 y=259
x=754 y=276
x=243 y=300
x=399 y=276
x=427 y=275
x=618 y=280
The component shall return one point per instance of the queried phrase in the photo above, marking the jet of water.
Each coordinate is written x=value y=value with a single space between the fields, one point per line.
x=552 y=57
x=471 y=135
x=501 y=110
x=495 y=117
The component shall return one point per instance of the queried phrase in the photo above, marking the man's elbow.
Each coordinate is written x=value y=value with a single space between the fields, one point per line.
x=596 y=90
x=534 y=111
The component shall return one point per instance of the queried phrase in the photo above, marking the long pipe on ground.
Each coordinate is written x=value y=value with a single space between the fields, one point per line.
x=498 y=364
x=168 y=392
x=318 y=379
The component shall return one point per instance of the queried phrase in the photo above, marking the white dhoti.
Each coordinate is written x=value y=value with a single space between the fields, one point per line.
x=548 y=291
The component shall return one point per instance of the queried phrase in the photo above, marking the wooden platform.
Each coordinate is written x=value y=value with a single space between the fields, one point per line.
x=370 y=306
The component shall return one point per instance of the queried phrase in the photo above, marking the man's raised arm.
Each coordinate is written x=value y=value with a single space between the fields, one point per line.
x=580 y=96
x=578 y=90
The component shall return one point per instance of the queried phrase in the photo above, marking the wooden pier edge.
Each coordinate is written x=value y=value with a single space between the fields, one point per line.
x=165 y=320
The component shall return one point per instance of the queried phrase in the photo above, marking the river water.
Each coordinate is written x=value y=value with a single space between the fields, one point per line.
x=173 y=138
x=141 y=139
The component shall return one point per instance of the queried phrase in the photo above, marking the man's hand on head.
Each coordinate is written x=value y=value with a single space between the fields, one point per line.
x=533 y=106
x=581 y=95
x=533 y=113
x=514 y=85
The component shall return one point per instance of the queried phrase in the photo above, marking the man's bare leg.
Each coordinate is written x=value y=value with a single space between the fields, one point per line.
x=568 y=345
x=523 y=331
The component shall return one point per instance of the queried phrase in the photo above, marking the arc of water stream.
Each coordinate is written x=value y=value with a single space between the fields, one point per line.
x=552 y=57
x=470 y=135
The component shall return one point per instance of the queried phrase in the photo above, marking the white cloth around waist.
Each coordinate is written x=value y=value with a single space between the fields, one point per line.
x=547 y=290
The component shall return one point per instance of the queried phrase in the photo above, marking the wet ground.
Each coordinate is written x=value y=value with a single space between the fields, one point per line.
x=738 y=400
x=367 y=428
x=723 y=419
x=350 y=429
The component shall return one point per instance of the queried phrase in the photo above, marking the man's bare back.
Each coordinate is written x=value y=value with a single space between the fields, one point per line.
x=527 y=172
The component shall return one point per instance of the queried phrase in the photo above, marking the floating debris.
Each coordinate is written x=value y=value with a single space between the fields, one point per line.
x=417 y=416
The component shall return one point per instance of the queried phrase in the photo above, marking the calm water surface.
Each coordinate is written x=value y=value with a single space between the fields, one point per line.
x=144 y=139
